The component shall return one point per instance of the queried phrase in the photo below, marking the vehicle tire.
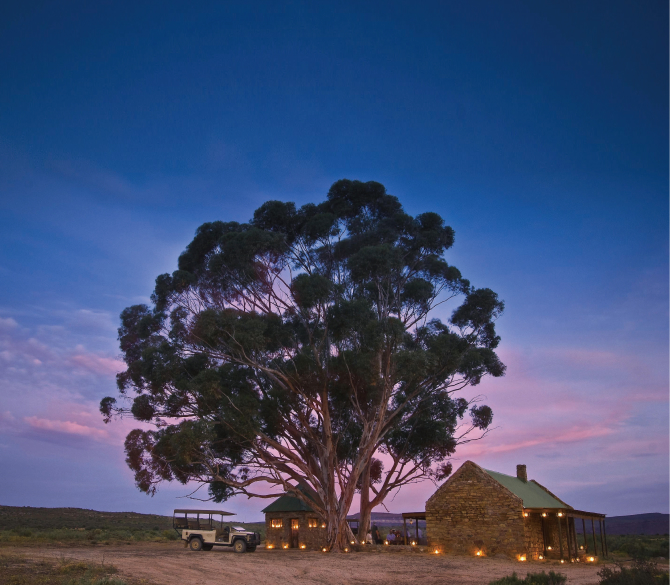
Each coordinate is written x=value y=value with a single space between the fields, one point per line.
x=207 y=546
x=196 y=544
x=240 y=546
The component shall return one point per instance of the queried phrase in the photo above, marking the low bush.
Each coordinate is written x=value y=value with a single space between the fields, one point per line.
x=533 y=579
x=641 y=572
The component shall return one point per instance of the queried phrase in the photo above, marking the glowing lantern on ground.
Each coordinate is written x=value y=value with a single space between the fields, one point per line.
x=479 y=553
x=285 y=546
x=522 y=557
x=302 y=546
x=540 y=557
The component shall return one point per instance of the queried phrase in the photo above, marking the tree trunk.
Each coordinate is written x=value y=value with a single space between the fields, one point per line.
x=366 y=510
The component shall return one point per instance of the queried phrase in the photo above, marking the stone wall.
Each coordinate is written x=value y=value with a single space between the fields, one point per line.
x=534 y=539
x=472 y=512
x=312 y=538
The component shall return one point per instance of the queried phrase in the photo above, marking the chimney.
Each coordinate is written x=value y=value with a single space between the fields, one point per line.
x=521 y=473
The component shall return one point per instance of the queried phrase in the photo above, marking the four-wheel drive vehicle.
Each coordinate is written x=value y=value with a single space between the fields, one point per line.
x=204 y=529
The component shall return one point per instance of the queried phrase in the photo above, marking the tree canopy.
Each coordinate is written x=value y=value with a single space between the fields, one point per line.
x=290 y=350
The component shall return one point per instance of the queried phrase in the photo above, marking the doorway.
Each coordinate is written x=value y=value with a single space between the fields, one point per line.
x=295 y=525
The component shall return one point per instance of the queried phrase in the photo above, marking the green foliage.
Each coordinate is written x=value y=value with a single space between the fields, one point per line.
x=644 y=546
x=641 y=572
x=532 y=579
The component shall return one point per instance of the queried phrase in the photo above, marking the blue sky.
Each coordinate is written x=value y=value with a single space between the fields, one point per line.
x=538 y=130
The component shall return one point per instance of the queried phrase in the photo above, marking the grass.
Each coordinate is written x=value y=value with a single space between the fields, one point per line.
x=23 y=526
x=21 y=570
x=532 y=579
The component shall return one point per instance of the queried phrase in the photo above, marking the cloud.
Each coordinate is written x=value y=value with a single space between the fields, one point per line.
x=67 y=427
x=8 y=323
x=96 y=364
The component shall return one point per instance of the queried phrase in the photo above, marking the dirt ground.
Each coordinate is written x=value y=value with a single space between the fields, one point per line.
x=172 y=564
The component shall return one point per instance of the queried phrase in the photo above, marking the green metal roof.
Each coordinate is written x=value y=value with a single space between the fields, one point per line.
x=287 y=503
x=532 y=494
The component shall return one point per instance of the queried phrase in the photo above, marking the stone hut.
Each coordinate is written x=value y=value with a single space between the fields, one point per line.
x=290 y=523
x=484 y=513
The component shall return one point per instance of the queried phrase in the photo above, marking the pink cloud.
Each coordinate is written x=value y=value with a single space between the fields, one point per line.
x=68 y=427
x=569 y=435
x=97 y=364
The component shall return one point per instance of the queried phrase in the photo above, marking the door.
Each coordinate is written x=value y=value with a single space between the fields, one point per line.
x=295 y=525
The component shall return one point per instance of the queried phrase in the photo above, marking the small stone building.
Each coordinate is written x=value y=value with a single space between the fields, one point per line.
x=290 y=523
x=485 y=513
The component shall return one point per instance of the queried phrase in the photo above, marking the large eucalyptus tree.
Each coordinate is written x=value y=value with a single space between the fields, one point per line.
x=289 y=350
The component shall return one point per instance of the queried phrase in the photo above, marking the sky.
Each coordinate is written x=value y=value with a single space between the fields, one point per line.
x=539 y=131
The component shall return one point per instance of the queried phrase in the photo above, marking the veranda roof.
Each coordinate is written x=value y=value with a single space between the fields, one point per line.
x=531 y=493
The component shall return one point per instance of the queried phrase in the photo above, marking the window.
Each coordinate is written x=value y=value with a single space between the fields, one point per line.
x=312 y=522
x=276 y=523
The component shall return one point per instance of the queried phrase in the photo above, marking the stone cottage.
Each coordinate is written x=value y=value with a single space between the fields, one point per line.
x=481 y=512
x=290 y=523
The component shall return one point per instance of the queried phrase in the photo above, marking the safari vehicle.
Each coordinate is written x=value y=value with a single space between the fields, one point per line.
x=204 y=529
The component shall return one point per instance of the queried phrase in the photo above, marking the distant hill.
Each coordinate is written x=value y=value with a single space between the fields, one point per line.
x=638 y=524
x=48 y=518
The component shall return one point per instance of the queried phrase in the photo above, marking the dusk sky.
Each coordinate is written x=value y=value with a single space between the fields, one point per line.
x=538 y=130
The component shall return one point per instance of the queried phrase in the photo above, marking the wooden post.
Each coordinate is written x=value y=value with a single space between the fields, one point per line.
x=560 y=537
x=404 y=521
x=605 y=533
x=417 y=531
x=595 y=546
x=569 y=536
x=586 y=546
x=574 y=536
x=544 y=537
x=602 y=546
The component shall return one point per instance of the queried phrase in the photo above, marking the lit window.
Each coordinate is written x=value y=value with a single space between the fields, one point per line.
x=312 y=522
x=276 y=523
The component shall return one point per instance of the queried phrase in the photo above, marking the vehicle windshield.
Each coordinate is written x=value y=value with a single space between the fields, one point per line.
x=239 y=528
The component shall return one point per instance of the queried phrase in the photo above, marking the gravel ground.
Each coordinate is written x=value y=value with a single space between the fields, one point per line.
x=172 y=564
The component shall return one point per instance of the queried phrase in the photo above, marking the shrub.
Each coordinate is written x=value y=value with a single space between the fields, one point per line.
x=533 y=579
x=641 y=572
